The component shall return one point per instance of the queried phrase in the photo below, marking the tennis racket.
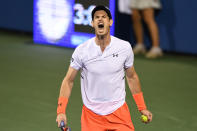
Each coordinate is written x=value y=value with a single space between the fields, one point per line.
x=62 y=126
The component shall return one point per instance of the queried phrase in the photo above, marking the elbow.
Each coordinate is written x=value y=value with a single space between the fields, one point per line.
x=133 y=77
x=68 y=83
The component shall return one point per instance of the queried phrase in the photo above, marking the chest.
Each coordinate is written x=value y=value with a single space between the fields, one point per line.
x=106 y=63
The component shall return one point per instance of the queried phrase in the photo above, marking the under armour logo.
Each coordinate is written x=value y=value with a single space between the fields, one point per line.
x=72 y=59
x=115 y=55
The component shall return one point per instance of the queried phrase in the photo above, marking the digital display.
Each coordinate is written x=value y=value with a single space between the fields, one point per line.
x=82 y=17
x=65 y=22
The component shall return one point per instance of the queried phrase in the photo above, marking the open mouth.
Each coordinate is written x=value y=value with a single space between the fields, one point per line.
x=100 y=25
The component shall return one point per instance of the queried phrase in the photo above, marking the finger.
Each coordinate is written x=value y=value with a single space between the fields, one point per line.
x=59 y=123
x=150 y=117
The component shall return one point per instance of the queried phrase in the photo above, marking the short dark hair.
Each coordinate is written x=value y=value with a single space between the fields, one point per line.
x=101 y=7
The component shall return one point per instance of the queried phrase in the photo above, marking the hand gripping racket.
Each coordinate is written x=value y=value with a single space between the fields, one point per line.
x=62 y=126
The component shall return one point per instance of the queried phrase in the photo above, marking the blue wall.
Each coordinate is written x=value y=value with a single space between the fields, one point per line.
x=16 y=15
x=177 y=23
x=178 y=26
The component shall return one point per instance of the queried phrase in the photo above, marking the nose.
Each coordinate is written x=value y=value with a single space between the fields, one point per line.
x=100 y=18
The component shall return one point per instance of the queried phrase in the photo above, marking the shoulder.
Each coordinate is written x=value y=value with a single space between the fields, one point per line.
x=120 y=43
x=84 y=46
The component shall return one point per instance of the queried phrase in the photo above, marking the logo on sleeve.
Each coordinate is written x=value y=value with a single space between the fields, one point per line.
x=72 y=59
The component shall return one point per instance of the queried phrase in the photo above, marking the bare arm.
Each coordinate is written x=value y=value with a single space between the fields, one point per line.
x=135 y=88
x=67 y=83
x=133 y=81
x=65 y=91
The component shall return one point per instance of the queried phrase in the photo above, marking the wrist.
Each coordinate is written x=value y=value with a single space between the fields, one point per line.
x=139 y=100
x=62 y=104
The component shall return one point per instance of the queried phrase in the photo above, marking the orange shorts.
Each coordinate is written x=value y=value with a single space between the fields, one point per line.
x=119 y=120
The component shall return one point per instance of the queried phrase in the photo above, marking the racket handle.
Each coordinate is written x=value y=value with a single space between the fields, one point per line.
x=62 y=126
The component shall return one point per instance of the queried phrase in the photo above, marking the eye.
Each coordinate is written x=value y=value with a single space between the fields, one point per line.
x=96 y=17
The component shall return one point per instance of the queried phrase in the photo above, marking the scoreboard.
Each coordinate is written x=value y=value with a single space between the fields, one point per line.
x=66 y=22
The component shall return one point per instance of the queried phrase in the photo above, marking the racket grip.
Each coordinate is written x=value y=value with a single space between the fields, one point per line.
x=62 y=125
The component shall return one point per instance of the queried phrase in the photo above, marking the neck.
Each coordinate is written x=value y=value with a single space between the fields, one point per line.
x=103 y=41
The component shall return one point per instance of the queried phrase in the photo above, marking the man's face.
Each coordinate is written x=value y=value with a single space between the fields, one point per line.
x=101 y=23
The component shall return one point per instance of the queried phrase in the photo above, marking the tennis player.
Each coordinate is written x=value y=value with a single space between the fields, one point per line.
x=104 y=61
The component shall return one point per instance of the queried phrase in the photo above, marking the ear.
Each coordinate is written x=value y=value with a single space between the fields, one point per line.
x=92 y=23
x=110 y=22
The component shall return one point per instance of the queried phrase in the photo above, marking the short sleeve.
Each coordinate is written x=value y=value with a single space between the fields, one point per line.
x=130 y=57
x=76 y=61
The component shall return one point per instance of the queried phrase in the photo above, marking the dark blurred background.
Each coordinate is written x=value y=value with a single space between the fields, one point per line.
x=177 y=23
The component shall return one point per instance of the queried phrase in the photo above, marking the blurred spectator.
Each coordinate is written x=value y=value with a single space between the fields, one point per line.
x=145 y=9
x=124 y=6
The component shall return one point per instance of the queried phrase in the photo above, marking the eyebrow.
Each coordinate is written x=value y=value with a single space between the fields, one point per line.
x=100 y=15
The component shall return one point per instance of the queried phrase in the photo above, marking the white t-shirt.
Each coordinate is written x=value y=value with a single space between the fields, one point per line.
x=103 y=74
